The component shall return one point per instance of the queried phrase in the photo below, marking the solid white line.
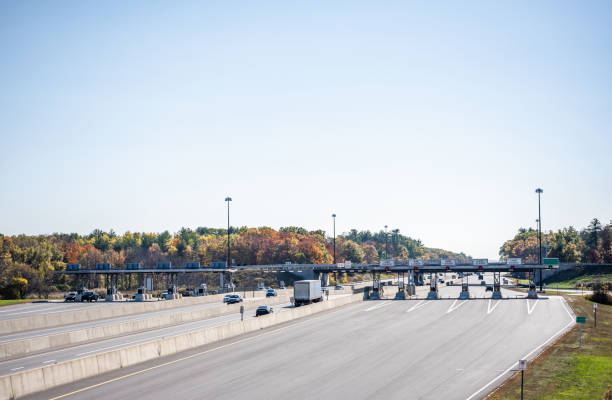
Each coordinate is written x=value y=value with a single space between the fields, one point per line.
x=110 y=347
x=386 y=303
x=16 y=369
x=523 y=358
x=489 y=309
x=48 y=361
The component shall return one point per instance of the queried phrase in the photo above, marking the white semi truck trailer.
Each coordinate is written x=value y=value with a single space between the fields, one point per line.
x=306 y=292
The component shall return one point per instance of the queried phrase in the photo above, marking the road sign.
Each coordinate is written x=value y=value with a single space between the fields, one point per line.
x=581 y=320
x=348 y=264
x=447 y=261
x=595 y=306
x=480 y=261
x=413 y=263
x=513 y=261
x=340 y=265
x=387 y=263
x=550 y=261
x=522 y=366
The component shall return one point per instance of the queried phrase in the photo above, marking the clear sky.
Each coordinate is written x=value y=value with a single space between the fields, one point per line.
x=437 y=118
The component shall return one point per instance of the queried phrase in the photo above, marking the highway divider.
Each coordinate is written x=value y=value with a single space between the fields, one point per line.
x=111 y=310
x=40 y=379
x=76 y=336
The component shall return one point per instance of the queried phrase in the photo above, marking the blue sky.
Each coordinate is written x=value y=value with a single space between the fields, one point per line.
x=437 y=118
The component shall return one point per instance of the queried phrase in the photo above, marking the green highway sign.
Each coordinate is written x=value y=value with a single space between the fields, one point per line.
x=581 y=320
x=550 y=261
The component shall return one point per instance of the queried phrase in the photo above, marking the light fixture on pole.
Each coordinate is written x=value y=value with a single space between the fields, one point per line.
x=539 y=192
x=334 y=217
x=229 y=260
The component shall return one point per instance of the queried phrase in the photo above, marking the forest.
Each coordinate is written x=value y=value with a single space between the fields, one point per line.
x=592 y=244
x=28 y=263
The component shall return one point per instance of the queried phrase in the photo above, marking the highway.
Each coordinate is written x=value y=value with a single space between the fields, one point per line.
x=414 y=349
x=103 y=322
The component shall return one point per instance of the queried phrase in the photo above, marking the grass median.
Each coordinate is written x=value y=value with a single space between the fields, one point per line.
x=565 y=370
x=11 y=302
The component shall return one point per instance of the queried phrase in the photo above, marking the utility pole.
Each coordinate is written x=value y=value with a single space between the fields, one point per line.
x=229 y=259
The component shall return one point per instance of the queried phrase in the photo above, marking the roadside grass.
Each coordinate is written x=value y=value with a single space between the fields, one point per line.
x=583 y=279
x=564 y=370
x=11 y=302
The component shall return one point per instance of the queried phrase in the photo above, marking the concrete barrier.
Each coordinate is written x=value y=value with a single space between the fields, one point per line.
x=39 y=379
x=35 y=344
x=110 y=310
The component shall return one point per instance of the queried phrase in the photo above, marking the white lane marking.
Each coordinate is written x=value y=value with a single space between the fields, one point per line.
x=417 y=305
x=386 y=303
x=48 y=361
x=530 y=309
x=16 y=369
x=453 y=308
x=489 y=309
x=523 y=358
x=110 y=347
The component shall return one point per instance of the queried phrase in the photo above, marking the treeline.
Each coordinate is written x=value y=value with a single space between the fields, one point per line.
x=28 y=263
x=592 y=244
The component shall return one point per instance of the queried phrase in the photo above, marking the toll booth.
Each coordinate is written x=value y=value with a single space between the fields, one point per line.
x=79 y=294
x=532 y=293
x=377 y=289
x=433 y=288
x=465 y=293
x=172 y=293
x=401 y=292
x=142 y=295
x=113 y=295
x=201 y=290
x=496 y=286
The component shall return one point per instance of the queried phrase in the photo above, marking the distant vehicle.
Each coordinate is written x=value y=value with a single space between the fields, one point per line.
x=161 y=296
x=307 y=291
x=261 y=288
x=338 y=287
x=271 y=293
x=188 y=292
x=89 y=297
x=212 y=292
x=232 y=298
x=447 y=283
x=480 y=276
x=454 y=276
x=482 y=283
x=489 y=288
x=263 y=310
x=441 y=280
x=70 y=296
x=505 y=281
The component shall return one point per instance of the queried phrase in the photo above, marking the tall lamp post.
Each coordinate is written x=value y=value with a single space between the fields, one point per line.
x=228 y=199
x=539 y=192
x=386 y=244
x=334 y=217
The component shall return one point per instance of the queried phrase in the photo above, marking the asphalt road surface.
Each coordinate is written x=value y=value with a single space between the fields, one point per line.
x=414 y=349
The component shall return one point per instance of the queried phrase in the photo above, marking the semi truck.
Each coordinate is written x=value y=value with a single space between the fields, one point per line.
x=306 y=292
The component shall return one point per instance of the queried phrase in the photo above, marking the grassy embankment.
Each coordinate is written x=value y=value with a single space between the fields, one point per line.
x=566 y=371
x=11 y=302
x=580 y=275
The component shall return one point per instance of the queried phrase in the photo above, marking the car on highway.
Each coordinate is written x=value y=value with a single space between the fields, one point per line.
x=189 y=292
x=338 y=287
x=271 y=293
x=482 y=283
x=263 y=310
x=89 y=296
x=232 y=298
x=70 y=296
x=489 y=288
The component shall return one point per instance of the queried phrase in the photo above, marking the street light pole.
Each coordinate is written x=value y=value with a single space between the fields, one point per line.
x=539 y=192
x=334 y=217
x=229 y=260
x=386 y=244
